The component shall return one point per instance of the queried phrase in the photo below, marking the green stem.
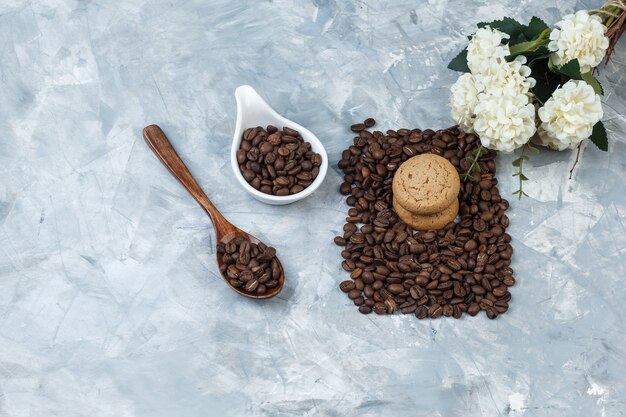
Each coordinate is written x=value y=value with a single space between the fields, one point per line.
x=530 y=46
x=519 y=163
x=468 y=175
x=520 y=175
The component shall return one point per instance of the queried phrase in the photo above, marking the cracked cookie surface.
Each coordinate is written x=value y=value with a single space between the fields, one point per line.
x=426 y=184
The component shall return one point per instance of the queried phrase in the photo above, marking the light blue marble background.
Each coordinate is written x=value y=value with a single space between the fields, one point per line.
x=110 y=300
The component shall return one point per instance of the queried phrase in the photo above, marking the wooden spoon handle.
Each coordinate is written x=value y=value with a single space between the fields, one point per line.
x=166 y=153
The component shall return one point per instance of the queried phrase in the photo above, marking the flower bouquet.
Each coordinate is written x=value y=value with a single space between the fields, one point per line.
x=532 y=84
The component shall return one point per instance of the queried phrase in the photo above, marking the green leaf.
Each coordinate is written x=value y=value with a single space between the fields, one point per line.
x=523 y=177
x=599 y=137
x=543 y=89
x=459 y=63
x=525 y=157
x=537 y=57
x=520 y=193
x=532 y=148
x=511 y=27
x=593 y=81
x=546 y=80
x=571 y=69
x=534 y=28
x=516 y=163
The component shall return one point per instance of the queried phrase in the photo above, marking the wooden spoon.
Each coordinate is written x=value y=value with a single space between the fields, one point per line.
x=224 y=230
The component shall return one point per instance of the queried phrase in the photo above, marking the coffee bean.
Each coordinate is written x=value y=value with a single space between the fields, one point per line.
x=365 y=309
x=454 y=264
x=473 y=309
x=266 y=148
x=290 y=132
x=478 y=290
x=395 y=288
x=408 y=309
x=241 y=156
x=499 y=291
x=428 y=237
x=357 y=127
x=345 y=188
x=497 y=230
x=246 y=275
x=356 y=273
x=416 y=292
x=435 y=311
x=508 y=280
x=470 y=245
x=501 y=306
x=352 y=294
x=248 y=175
x=346 y=286
x=480 y=225
x=249 y=133
x=251 y=285
x=380 y=308
x=421 y=312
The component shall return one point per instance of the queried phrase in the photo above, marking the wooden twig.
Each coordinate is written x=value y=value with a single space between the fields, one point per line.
x=576 y=161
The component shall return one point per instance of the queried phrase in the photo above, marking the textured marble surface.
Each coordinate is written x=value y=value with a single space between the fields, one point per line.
x=110 y=300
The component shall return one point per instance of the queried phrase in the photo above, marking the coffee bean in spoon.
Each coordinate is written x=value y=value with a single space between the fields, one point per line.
x=249 y=266
x=277 y=162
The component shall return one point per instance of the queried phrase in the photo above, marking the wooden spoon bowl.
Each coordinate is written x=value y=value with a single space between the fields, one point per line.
x=224 y=230
x=230 y=236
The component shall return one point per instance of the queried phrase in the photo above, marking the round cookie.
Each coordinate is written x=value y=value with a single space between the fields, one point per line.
x=426 y=184
x=427 y=221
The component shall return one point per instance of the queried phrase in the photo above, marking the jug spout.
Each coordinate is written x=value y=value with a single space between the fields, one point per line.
x=248 y=96
x=252 y=110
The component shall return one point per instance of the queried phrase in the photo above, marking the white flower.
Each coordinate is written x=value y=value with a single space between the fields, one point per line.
x=496 y=104
x=579 y=36
x=501 y=78
x=494 y=101
x=568 y=117
x=484 y=47
x=463 y=101
x=504 y=123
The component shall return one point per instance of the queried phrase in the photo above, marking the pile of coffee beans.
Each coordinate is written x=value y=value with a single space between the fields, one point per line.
x=462 y=268
x=277 y=162
x=249 y=266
